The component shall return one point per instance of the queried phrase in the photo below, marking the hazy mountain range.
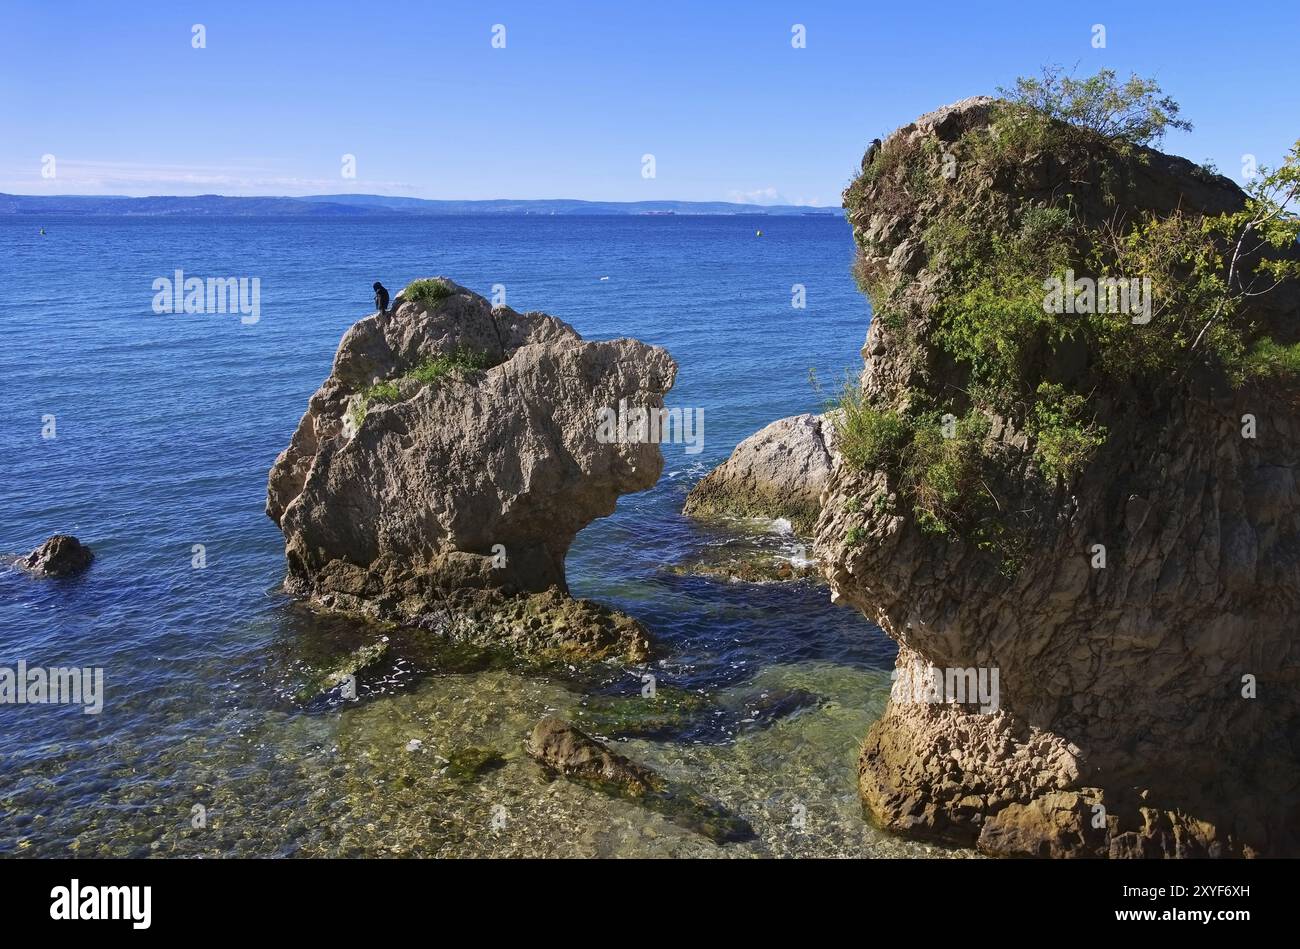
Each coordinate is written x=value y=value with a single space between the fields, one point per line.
x=345 y=205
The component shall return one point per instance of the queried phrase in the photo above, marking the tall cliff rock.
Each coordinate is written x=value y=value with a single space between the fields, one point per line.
x=1110 y=523
x=453 y=454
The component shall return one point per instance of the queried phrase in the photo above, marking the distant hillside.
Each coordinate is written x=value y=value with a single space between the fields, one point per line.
x=353 y=205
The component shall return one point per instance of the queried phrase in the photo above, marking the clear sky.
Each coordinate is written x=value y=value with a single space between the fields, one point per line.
x=117 y=93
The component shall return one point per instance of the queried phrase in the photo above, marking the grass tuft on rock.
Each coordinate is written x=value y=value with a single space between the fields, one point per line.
x=427 y=291
x=460 y=362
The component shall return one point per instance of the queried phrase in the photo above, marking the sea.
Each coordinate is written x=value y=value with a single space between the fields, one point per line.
x=149 y=436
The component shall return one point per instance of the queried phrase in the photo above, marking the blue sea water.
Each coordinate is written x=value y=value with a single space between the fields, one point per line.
x=166 y=426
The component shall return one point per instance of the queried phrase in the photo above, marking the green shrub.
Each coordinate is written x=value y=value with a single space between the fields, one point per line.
x=1133 y=112
x=1269 y=358
x=462 y=360
x=937 y=465
x=458 y=362
x=941 y=471
x=1065 y=440
x=1013 y=137
x=381 y=392
x=427 y=292
x=868 y=437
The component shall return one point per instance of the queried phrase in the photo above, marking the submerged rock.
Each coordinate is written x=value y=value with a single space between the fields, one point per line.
x=564 y=750
x=767 y=708
x=778 y=472
x=560 y=747
x=668 y=713
x=752 y=565
x=547 y=625
x=467 y=765
x=449 y=460
x=685 y=716
x=322 y=681
x=60 y=556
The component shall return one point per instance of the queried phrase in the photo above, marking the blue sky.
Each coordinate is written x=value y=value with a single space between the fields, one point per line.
x=729 y=109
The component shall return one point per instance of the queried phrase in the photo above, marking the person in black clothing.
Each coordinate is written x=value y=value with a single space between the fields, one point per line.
x=381 y=297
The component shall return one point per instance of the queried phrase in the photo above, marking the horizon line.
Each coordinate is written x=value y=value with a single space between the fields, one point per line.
x=401 y=197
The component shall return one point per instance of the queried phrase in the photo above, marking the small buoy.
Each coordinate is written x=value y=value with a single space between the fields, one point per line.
x=758 y=233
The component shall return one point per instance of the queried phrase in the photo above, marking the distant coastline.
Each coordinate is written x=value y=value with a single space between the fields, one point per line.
x=356 y=205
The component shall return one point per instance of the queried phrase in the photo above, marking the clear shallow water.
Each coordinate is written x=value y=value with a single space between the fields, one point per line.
x=166 y=427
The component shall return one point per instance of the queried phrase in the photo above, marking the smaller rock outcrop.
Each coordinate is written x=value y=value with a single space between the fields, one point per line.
x=778 y=472
x=60 y=556
x=564 y=750
x=448 y=461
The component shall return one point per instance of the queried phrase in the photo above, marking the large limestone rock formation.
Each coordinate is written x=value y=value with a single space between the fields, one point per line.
x=1124 y=725
x=778 y=471
x=453 y=451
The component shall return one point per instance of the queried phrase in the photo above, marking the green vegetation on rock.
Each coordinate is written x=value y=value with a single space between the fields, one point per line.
x=322 y=680
x=427 y=291
x=1015 y=206
x=459 y=362
x=667 y=712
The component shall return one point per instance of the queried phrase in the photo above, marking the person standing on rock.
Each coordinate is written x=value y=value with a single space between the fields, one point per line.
x=381 y=297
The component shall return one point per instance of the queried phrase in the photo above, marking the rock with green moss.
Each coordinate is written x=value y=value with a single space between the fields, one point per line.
x=323 y=680
x=466 y=765
x=1073 y=501
x=743 y=564
x=669 y=712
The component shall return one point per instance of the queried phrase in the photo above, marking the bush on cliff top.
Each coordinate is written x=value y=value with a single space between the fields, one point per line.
x=1133 y=112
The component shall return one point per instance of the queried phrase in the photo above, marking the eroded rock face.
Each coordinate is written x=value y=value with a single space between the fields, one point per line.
x=779 y=471
x=1122 y=727
x=393 y=499
x=60 y=556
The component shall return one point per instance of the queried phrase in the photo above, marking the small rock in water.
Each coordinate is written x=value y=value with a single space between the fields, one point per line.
x=414 y=744
x=60 y=556
x=563 y=749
